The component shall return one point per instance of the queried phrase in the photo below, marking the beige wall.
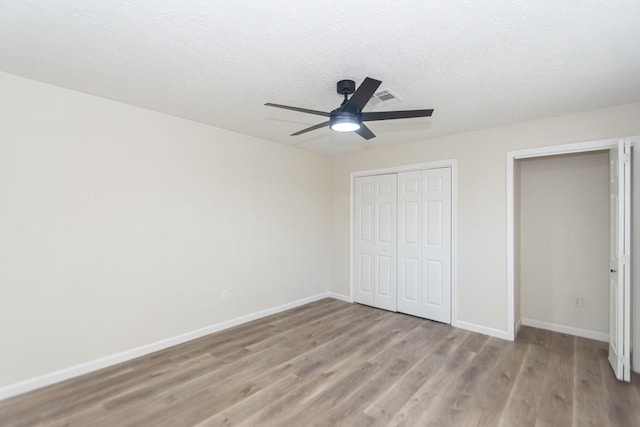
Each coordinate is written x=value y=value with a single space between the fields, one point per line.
x=564 y=241
x=481 y=224
x=120 y=226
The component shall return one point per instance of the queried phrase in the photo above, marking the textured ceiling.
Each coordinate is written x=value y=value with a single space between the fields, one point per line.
x=477 y=63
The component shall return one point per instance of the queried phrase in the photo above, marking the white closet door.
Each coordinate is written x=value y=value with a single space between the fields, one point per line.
x=409 y=248
x=620 y=251
x=375 y=241
x=363 y=240
x=385 y=243
x=424 y=244
x=436 y=244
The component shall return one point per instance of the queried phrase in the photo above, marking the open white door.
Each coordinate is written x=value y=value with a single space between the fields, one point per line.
x=620 y=272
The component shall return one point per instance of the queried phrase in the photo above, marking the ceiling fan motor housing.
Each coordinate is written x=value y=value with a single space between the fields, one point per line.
x=339 y=114
x=346 y=87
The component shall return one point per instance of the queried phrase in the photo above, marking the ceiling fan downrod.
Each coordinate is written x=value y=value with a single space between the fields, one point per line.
x=345 y=87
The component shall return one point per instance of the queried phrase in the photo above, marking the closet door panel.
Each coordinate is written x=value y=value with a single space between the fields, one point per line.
x=375 y=244
x=385 y=242
x=364 y=240
x=436 y=244
x=410 y=269
x=433 y=280
x=409 y=236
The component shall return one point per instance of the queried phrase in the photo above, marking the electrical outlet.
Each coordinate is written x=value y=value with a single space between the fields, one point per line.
x=578 y=302
x=224 y=295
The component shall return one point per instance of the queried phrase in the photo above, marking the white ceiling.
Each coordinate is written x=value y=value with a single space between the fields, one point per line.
x=478 y=63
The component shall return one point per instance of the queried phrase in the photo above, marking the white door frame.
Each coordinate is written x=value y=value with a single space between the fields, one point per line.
x=512 y=156
x=452 y=163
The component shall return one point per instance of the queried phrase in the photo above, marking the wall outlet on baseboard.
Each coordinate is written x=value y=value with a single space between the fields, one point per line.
x=578 y=302
x=224 y=295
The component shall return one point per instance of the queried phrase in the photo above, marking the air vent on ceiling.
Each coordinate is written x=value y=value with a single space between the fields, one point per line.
x=383 y=97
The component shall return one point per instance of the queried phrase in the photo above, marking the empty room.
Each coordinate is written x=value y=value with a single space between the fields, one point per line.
x=294 y=213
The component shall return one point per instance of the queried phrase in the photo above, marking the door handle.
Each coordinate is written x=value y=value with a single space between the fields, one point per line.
x=613 y=271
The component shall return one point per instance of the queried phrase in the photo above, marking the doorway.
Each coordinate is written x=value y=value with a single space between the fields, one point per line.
x=620 y=277
x=562 y=222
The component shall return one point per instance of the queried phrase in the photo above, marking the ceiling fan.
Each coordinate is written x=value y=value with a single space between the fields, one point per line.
x=348 y=117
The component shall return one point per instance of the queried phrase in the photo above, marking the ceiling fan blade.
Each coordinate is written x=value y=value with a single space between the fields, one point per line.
x=318 y=126
x=365 y=132
x=363 y=94
x=391 y=115
x=302 y=110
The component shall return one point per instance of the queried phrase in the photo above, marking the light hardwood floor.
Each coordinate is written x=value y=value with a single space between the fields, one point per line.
x=334 y=363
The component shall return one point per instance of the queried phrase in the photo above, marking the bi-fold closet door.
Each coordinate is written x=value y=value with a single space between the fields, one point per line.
x=375 y=241
x=403 y=242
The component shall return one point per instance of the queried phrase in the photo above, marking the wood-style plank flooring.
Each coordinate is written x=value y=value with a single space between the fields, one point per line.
x=333 y=363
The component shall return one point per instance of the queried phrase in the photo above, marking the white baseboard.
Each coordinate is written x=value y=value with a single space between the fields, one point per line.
x=517 y=327
x=94 y=365
x=341 y=297
x=482 y=329
x=570 y=330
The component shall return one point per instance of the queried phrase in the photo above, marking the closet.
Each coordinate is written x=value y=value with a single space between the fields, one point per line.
x=402 y=242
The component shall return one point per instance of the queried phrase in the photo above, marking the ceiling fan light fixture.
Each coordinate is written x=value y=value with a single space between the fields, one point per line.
x=345 y=125
x=342 y=121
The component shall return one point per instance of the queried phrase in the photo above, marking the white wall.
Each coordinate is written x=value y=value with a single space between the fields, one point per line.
x=481 y=241
x=120 y=226
x=564 y=241
x=517 y=286
x=635 y=263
